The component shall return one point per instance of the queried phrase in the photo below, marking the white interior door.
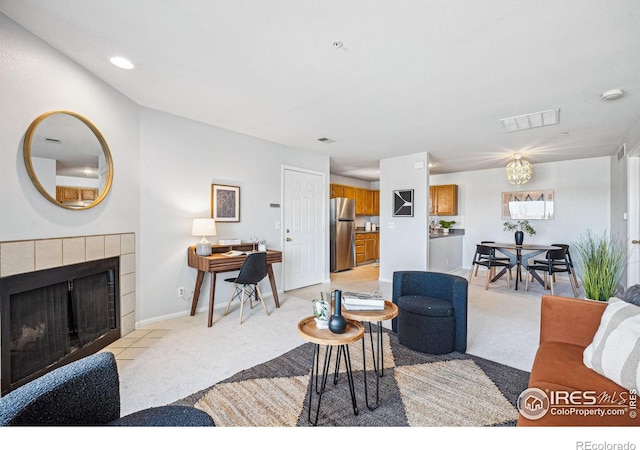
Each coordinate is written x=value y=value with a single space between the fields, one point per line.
x=303 y=228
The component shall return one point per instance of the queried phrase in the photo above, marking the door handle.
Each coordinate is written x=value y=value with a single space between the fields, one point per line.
x=289 y=239
x=635 y=241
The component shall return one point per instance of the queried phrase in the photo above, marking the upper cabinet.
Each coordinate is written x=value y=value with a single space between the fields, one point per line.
x=339 y=190
x=367 y=200
x=443 y=200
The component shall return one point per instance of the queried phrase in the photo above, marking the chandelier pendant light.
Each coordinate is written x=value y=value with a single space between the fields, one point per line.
x=519 y=171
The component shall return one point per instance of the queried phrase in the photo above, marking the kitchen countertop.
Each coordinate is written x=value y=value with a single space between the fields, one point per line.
x=453 y=232
x=361 y=230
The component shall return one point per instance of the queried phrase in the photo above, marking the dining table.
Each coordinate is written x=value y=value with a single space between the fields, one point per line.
x=519 y=255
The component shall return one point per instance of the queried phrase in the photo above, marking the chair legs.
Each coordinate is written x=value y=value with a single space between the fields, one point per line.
x=490 y=274
x=549 y=282
x=245 y=292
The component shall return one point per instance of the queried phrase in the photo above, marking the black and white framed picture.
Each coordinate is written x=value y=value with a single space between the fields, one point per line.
x=403 y=203
x=225 y=203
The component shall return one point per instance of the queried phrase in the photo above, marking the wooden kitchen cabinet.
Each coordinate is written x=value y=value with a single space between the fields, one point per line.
x=367 y=200
x=340 y=190
x=367 y=248
x=443 y=200
x=74 y=194
x=359 y=248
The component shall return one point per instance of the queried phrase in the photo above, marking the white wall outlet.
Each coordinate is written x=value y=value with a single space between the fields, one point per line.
x=180 y=292
x=391 y=225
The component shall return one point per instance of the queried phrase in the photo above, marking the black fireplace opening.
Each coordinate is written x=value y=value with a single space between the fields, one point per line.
x=52 y=317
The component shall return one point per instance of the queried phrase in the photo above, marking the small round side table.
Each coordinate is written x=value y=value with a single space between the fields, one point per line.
x=309 y=331
x=390 y=311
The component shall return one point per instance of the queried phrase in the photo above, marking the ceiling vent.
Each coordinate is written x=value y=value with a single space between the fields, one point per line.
x=533 y=120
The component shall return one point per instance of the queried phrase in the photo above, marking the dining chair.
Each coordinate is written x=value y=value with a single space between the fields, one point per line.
x=556 y=261
x=486 y=256
x=562 y=263
x=253 y=270
x=500 y=258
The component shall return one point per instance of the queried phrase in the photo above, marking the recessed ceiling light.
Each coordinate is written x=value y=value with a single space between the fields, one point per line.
x=121 y=62
x=612 y=94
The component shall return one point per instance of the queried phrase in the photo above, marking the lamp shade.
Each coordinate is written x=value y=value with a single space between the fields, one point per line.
x=519 y=171
x=203 y=227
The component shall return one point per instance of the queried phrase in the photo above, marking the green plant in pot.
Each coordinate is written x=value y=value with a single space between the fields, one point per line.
x=601 y=260
x=446 y=224
x=520 y=227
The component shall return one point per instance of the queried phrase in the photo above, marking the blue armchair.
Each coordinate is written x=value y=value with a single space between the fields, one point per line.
x=432 y=311
x=86 y=392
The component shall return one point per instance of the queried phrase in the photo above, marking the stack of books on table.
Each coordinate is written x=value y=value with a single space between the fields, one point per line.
x=362 y=301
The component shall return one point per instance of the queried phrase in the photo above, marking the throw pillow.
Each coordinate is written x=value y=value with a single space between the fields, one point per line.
x=615 y=350
x=632 y=295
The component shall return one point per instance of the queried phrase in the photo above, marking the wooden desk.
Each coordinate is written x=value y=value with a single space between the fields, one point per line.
x=217 y=262
x=517 y=258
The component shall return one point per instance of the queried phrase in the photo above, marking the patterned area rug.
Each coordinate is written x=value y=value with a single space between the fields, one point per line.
x=416 y=390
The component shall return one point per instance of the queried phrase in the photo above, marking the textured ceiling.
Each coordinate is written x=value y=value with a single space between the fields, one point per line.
x=411 y=75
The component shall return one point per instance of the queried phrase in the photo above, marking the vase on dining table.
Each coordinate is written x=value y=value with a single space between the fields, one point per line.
x=519 y=237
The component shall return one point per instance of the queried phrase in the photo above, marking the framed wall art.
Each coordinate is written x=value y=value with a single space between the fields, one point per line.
x=403 y=203
x=225 y=203
x=527 y=205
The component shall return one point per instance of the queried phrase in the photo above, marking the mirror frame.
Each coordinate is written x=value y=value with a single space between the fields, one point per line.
x=34 y=178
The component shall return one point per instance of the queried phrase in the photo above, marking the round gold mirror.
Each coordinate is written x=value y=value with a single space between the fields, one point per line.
x=68 y=160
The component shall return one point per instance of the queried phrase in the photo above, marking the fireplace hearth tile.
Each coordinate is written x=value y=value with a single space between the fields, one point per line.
x=131 y=352
x=48 y=253
x=16 y=257
x=112 y=245
x=95 y=247
x=73 y=250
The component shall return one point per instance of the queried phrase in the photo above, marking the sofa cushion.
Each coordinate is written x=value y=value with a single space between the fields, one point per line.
x=632 y=295
x=615 y=350
x=560 y=365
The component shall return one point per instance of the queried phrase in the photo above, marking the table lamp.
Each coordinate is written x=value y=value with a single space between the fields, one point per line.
x=204 y=228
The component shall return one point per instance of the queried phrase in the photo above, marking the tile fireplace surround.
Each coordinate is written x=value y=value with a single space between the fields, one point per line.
x=18 y=257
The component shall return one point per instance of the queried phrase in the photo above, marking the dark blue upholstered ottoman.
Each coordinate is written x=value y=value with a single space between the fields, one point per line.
x=432 y=311
x=426 y=324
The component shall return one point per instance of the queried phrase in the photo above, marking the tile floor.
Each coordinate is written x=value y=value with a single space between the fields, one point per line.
x=127 y=348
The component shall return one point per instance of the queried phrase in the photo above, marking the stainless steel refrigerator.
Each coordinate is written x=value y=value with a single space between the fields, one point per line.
x=343 y=234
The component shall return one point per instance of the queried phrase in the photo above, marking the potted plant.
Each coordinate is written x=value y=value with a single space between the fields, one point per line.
x=601 y=260
x=521 y=227
x=446 y=224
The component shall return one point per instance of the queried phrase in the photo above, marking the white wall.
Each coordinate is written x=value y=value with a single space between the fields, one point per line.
x=163 y=170
x=581 y=201
x=403 y=240
x=34 y=79
x=181 y=159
